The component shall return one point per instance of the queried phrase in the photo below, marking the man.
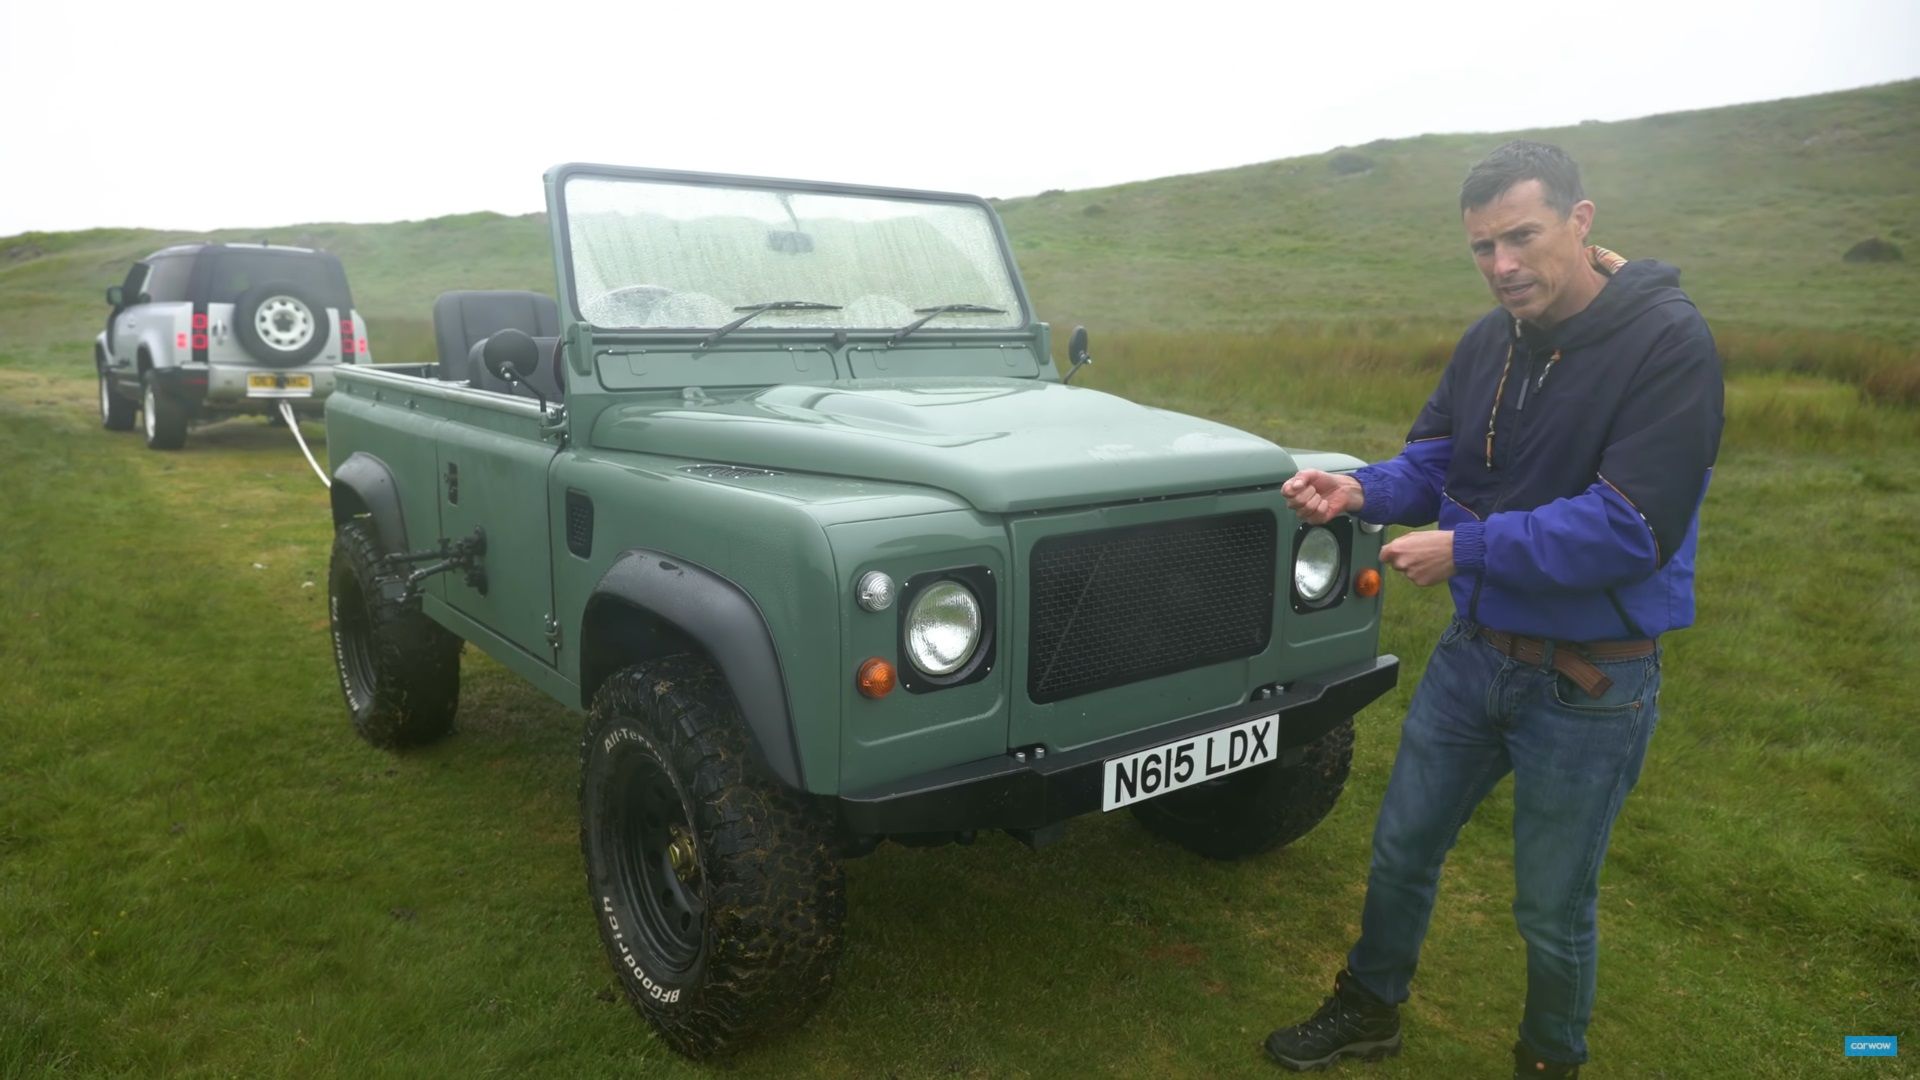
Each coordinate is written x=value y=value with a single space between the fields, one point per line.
x=1565 y=454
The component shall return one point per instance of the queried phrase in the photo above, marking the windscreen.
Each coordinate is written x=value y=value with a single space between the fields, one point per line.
x=319 y=276
x=650 y=254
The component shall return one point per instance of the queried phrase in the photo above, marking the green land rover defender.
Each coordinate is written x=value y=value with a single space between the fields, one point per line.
x=786 y=495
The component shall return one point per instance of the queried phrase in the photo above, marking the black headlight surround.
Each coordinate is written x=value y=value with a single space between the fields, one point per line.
x=1342 y=530
x=979 y=580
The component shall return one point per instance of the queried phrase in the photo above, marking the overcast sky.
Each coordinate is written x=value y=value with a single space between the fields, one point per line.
x=197 y=115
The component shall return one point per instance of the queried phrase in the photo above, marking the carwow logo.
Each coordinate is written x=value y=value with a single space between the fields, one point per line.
x=1873 y=1046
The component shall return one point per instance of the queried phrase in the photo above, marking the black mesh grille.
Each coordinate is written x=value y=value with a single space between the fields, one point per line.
x=1122 y=605
x=579 y=524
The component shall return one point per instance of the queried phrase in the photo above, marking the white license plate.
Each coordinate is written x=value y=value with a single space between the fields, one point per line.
x=273 y=386
x=1192 y=761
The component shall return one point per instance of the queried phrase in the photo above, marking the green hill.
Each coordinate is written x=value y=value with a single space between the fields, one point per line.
x=1755 y=203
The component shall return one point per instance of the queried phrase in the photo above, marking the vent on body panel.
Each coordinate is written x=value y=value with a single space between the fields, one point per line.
x=726 y=472
x=579 y=523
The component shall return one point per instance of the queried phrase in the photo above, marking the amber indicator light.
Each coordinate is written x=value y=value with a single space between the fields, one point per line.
x=876 y=678
x=1367 y=584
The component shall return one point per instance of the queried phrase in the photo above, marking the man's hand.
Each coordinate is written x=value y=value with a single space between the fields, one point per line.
x=1426 y=558
x=1319 y=497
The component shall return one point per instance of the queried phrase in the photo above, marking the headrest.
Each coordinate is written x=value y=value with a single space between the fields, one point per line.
x=462 y=320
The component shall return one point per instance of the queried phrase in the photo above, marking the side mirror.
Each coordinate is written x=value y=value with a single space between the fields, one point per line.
x=1077 y=355
x=114 y=293
x=510 y=355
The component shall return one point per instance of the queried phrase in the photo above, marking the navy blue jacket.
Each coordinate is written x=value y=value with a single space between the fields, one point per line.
x=1575 y=504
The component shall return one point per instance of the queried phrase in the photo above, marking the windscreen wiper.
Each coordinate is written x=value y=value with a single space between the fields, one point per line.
x=928 y=314
x=753 y=310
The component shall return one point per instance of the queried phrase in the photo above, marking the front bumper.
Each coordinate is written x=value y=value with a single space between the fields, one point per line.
x=1032 y=792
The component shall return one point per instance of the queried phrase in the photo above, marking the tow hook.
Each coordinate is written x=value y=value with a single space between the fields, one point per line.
x=396 y=584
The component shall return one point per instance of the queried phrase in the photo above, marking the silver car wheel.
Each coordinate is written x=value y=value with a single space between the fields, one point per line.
x=146 y=413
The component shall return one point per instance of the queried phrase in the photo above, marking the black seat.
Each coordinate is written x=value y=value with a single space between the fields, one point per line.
x=545 y=376
x=462 y=320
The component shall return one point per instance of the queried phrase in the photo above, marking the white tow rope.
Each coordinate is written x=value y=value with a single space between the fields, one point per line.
x=293 y=425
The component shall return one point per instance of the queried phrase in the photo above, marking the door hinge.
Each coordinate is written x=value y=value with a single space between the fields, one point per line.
x=553 y=633
x=453 y=484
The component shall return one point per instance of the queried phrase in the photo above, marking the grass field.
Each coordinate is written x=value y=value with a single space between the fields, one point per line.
x=202 y=871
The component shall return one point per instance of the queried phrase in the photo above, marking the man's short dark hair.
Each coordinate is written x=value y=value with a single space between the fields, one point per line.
x=1516 y=163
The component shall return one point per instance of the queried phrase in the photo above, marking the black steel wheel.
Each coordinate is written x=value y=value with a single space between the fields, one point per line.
x=657 y=867
x=399 y=670
x=717 y=889
x=1258 y=810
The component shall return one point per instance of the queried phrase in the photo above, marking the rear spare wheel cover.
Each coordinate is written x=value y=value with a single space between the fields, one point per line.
x=284 y=323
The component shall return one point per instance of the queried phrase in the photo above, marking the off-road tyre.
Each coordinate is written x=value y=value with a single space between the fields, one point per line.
x=306 y=333
x=399 y=670
x=1258 y=810
x=164 y=419
x=116 y=412
x=735 y=936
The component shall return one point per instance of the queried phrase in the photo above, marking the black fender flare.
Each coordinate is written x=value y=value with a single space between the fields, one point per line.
x=364 y=485
x=718 y=616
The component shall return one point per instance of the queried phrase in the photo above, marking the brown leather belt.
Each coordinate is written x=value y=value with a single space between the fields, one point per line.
x=1574 y=659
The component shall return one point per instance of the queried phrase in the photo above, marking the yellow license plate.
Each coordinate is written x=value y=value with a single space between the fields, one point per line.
x=269 y=385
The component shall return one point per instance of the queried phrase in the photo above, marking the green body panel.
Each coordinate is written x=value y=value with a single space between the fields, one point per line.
x=1003 y=445
x=501 y=461
x=906 y=733
x=360 y=418
x=760 y=538
x=943 y=451
x=510 y=655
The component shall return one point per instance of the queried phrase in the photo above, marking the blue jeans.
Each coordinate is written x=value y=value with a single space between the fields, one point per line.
x=1476 y=716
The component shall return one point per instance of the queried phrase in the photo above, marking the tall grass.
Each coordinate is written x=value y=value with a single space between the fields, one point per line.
x=1785 y=391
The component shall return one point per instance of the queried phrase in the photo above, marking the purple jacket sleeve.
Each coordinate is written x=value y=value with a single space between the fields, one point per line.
x=1630 y=521
x=1406 y=490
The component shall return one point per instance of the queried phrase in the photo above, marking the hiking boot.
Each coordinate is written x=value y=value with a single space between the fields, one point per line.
x=1528 y=1065
x=1351 y=1023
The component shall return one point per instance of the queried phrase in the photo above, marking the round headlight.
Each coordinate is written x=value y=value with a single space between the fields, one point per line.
x=943 y=627
x=875 y=591
x=1316 y=568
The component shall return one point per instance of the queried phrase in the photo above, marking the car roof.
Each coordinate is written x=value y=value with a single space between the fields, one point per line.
x=271 y=249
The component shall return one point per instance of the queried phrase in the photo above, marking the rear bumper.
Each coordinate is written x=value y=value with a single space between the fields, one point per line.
x=226 y=387
x=1033 y=792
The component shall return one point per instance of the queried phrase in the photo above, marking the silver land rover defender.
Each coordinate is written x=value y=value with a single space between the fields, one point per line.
x=207 y=331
